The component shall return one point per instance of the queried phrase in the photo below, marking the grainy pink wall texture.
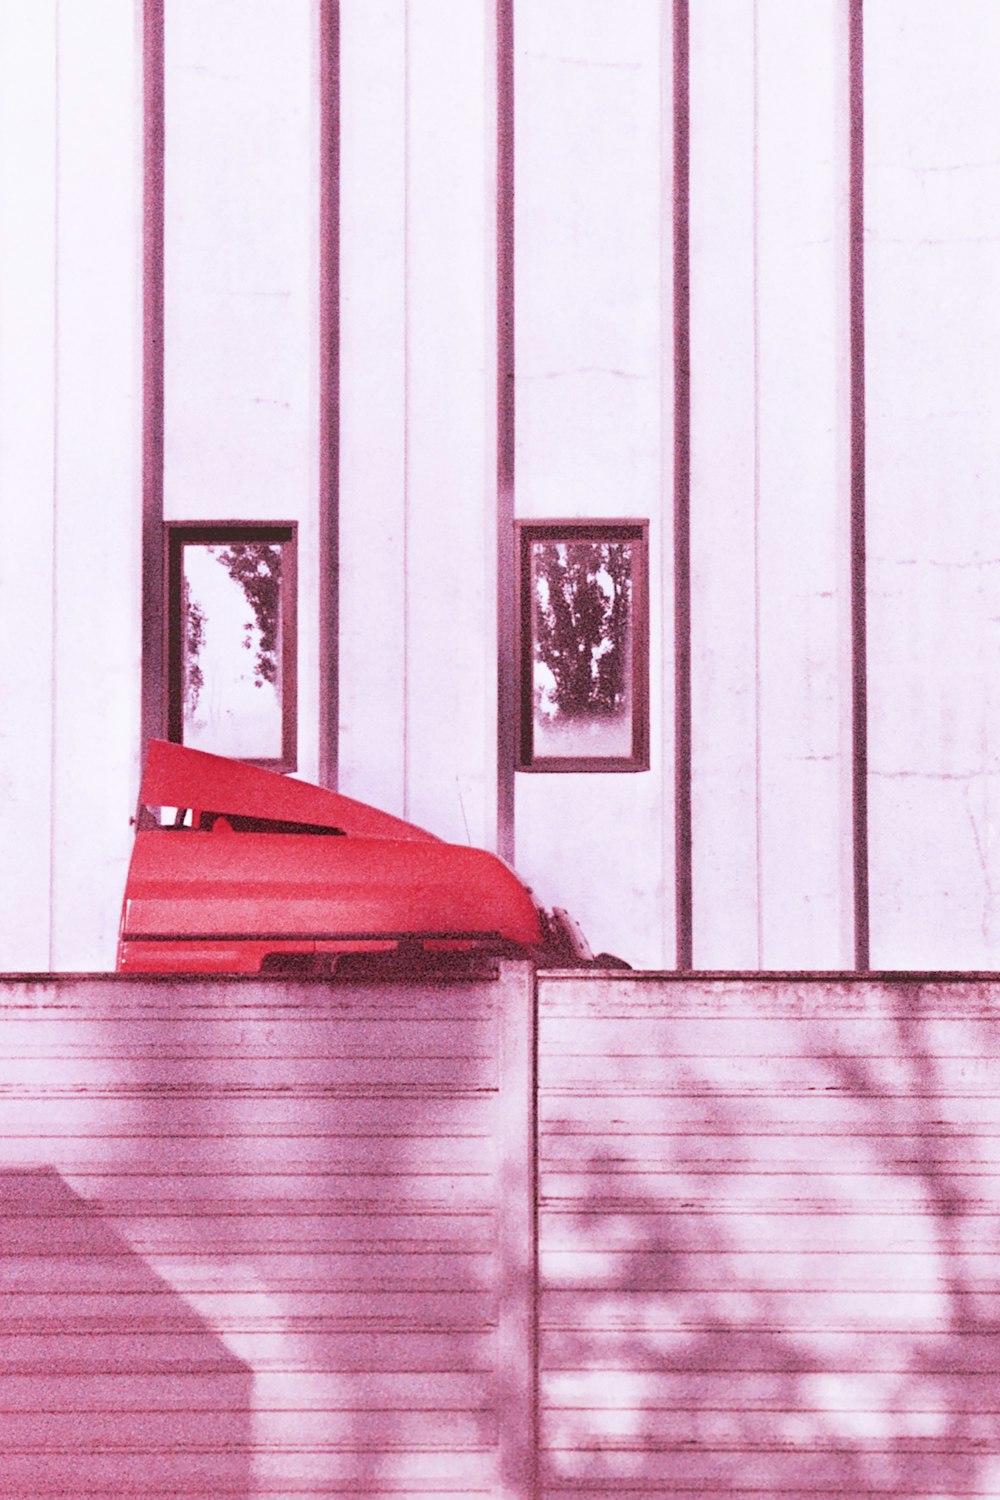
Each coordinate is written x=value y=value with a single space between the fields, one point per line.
x=504 y=1238
x=404 y=272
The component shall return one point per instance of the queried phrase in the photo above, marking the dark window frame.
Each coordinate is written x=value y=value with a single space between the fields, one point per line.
x=180 y=534
x=612 y=530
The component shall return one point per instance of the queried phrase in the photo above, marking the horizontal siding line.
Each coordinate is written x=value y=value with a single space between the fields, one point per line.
x=735 y=1010
x=329 y=1489
x=365 y=1250
x=675 y=1360
x=275 y=1411
x=291 y=1174
x=298 y=1022
x=754 y=978
x=789 y=1132
x=260 y=1448
x=313 y=1208
x=237 y=1093
x=686 y=1253
x=744 y=1058
x=213 y=995
x=736 y=1168
x=327 y=1286
x=346 y=1487
x=153 y=1054
x=589 y=1206
x=621 y=1090
x=740 y=1288
x=910 y=1446
x=763 y=1408
x=290 y=1326
x=670 y=1366
x=203 y=1371
x=254 y=1135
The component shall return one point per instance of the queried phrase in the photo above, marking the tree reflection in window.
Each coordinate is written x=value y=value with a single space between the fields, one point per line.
x=229 y=669
x=256 y=567
x=583 y=661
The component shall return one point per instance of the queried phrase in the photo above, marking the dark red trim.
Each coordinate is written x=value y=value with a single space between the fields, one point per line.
x=617 y=529
x=859 y=623
x=329 y=391
x=682 y=490
x=506 y=567
x=152 y=693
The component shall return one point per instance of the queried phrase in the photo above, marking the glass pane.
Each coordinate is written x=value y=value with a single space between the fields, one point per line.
x=581 y=623
x=231 y=657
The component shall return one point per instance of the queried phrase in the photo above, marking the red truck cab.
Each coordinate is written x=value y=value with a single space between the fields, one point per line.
x=237 y=869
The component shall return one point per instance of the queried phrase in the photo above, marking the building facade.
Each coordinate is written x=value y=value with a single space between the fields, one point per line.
x=377 y=287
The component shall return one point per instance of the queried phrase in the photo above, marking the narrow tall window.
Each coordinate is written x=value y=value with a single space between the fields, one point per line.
x=583 y=650
x=231 y=612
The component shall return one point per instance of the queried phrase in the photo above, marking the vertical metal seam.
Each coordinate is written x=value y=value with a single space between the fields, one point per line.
x=859 y=624
x=758 y=724
x=507 y=668
x=54 y=534
x=154 y=133
x=329 y=392
x=405 y=527
x=682 y=487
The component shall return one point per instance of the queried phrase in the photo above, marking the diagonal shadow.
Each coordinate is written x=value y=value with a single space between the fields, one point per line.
x=110 y=1382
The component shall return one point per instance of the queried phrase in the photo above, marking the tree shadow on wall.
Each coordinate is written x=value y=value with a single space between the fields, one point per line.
x=805 y=1306
x=110 y=1383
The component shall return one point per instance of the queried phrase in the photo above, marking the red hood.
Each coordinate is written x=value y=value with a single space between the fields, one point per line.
x=177 y=776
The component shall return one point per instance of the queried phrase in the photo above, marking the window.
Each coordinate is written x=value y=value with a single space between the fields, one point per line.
x=231 y=640
x=583 y=659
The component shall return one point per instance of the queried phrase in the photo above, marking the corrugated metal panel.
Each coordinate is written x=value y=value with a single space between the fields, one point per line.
x=769 y=1236
x=250 y=1240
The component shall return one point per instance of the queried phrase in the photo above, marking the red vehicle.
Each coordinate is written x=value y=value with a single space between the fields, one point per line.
x=240 y=870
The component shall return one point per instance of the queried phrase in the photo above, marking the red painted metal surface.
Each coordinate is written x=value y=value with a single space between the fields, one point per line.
x=270 y=868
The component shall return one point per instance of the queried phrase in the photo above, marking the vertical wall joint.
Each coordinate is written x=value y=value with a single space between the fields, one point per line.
x=859 y=649
x=329 y=389
x=682 y=487
x=506 y=667
x=152 y=373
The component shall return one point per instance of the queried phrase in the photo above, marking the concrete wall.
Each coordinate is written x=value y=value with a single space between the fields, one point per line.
x=271 y=1238
x=252 y=1238
x=767 y=1213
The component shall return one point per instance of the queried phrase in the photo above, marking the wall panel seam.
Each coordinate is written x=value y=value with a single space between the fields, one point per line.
x=682 y=487
x=329 y=393
x=153 y=87
x=859 y=629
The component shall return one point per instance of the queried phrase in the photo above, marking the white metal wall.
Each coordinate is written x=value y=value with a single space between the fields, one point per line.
x=241 y=284
x=769 y=485
x=418 y=414
x=70 y=464
x=593 y=326
x=933 y=304
x=594 y=320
